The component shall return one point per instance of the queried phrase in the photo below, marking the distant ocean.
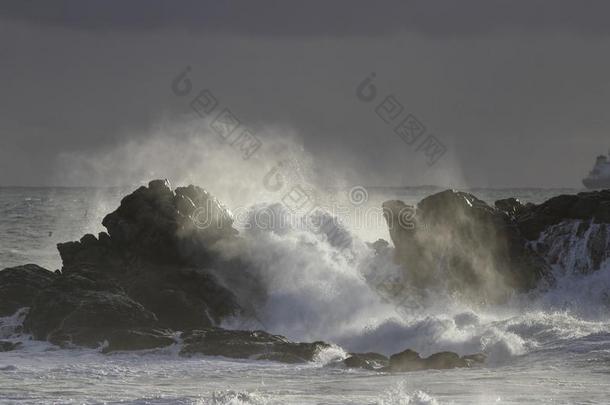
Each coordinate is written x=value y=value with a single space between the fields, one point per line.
x=545 y=347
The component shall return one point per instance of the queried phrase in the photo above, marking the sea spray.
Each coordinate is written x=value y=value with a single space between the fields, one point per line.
x=318 y=291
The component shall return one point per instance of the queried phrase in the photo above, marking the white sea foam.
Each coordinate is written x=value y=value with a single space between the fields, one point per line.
x=317 y=291
x=554 y=341
x=399 y=395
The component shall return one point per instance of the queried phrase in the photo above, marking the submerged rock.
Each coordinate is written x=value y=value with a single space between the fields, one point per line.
x=476 y=359
x=258 y=345
x=7 y=346
x=407 y=360
x=367 y=361
x=410 y=360
x=570 y=231
x=154 y=272
x=20 y=285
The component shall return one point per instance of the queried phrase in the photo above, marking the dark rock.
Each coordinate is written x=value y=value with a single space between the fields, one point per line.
x=585 y=206
x=511 y=207
x=602 y=213
x=410 y=360
x=85 y=311
x=407 y=360
x=478 y=249
x=444 y=360
x=20 y=285
x=476 y=359
x=137 y=339
x=248 y=345
x=182 y=298
x=368 y=361
x=7 y=346
x=157 y=251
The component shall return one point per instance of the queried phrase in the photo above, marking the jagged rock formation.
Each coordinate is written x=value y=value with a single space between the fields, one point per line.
x=92 y=310
x=487 y=252
x=158 y=251
x=577 y=246
x=593 y=207
x=157 y=277
x=473 y=248
x=153 y=272
x=572 y=232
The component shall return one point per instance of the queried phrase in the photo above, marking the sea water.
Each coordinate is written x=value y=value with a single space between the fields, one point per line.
x=550 y=346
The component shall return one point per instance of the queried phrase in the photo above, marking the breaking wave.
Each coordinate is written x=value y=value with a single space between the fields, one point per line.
x=318 y=289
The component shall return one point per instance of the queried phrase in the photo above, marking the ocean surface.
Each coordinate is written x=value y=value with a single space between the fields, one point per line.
x=550 y=346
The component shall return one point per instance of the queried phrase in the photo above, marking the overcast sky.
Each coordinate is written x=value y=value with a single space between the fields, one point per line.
x=518 y=92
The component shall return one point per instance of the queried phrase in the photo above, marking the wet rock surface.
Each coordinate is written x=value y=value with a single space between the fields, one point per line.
x=153 y=271
x=82 y=310
x=257 y=345
x=20 y=285
x=8 y=346
x=477 y=248
x=410 y=360
x=488 y=252
x=591 y=206
x=155 y=278
x=367 y=361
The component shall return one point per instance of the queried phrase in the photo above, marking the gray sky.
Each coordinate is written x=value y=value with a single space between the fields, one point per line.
x=517 y=91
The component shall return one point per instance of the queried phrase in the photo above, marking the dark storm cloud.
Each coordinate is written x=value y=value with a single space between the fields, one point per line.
x=319 y=17
x=510 y=87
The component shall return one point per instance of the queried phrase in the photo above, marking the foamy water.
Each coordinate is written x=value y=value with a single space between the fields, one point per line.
x=547 y=346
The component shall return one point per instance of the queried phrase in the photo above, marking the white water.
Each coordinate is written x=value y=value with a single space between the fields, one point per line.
x=549 y=346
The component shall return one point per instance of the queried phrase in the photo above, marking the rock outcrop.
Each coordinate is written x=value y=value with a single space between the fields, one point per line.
x=156 y=277
x=410 y=360
x=157 y=250
x=459 y=240
x=89 y=310
x=258 y=345
x=367 y=361
x=155 y=271
x=20 y=285
x=153 y=274
x=486 y=252
x=592 y=206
